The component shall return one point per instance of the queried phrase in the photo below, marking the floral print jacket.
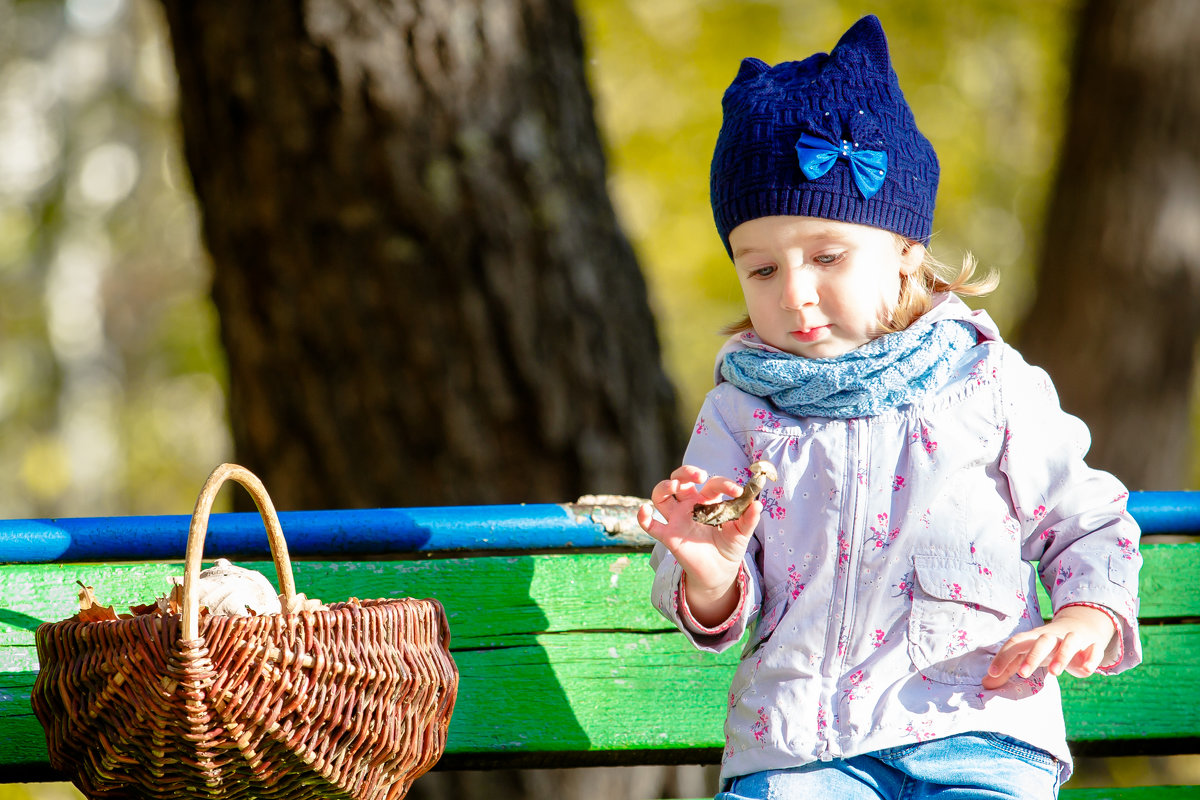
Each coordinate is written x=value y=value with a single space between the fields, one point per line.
x=898 y=552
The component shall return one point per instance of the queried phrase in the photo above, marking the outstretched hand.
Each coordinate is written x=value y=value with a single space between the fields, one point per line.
x=1074 y=641
x=711 y=556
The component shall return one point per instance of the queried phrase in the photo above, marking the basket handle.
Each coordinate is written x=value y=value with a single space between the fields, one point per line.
x=199 y=528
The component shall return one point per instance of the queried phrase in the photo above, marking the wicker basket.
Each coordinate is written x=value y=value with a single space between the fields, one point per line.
x=349 y=702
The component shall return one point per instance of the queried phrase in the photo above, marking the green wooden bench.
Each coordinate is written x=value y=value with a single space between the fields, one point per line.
x=563 y=661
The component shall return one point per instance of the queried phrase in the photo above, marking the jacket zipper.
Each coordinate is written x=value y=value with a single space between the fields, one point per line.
x=837 y=642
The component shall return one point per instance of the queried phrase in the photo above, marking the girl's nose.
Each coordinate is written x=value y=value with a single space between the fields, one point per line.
x=799 y=289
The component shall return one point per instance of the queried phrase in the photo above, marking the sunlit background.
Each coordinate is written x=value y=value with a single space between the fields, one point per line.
x=112 y=395
x=111 y=375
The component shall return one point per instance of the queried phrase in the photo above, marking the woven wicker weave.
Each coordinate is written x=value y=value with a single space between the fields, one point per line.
x=349 y=702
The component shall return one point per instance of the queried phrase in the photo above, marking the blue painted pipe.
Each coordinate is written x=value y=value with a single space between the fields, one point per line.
x=386 y=531
x=1166 y=512
x=396 y=531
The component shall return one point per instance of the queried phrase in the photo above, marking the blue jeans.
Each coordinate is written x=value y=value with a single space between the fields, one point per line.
x=968 y=766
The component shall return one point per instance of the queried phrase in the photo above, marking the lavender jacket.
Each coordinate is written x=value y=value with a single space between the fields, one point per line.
x=898 y=552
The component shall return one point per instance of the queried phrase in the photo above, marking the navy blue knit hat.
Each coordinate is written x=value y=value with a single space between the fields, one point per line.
x=830 y=136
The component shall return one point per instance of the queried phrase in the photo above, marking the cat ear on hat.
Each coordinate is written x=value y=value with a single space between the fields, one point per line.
x=750 y=69
x=865 y=37
x=860 y=53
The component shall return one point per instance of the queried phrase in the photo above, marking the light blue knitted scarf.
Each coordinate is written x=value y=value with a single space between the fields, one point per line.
x=891 y=371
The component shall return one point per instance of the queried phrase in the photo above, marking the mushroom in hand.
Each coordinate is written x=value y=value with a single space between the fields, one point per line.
x=726 y=510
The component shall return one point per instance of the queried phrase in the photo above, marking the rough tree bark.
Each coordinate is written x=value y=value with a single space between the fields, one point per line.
x=1117 y=316
x=424 y=293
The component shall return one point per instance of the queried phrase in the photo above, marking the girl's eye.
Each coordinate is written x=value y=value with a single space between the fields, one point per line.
x=763 y=272
x=828 y=258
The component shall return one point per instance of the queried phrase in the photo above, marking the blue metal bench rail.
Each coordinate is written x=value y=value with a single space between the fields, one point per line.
x=448 y=530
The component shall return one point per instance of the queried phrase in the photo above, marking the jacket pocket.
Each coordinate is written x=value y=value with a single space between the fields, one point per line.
x=962 y=612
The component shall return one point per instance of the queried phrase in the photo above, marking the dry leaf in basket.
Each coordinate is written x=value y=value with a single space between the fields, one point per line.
x=161 y=606
x=90 y=609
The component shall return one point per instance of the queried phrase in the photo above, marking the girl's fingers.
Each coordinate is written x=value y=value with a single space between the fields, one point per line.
x=1064 y=654
x=651 y=521
x=668 y=490
x=692 y=485
x=1038 y=655
x=689 y=474
x=1003 y=666
x=645 y=518
x=715 y=488
x=1015 y=656
x=747 y=522
x=1086 y=661
x=661 y=491
x=1024 y=653
x=733 y=537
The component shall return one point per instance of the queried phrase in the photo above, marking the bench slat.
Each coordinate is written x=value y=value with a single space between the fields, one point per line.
x=562 y=656
x=592 y=698
x=489 y=599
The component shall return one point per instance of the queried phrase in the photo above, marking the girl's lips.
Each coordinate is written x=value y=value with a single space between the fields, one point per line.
x=811 y=334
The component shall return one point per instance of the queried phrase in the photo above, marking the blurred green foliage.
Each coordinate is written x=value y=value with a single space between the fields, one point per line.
x=111 y=396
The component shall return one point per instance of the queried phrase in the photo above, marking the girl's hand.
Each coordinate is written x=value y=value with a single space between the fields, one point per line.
x=1074 y=641
x=711 y=556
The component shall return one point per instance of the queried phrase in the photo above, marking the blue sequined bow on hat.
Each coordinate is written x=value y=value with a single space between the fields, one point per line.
x=869 y=167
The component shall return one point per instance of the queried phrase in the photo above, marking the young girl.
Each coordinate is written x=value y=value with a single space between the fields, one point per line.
x=925 y=471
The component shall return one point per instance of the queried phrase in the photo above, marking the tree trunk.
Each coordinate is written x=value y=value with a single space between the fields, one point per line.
x=1117 y=315
x=425 y=297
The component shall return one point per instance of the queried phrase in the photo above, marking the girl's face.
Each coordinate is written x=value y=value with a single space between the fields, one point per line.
x=818 y=288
